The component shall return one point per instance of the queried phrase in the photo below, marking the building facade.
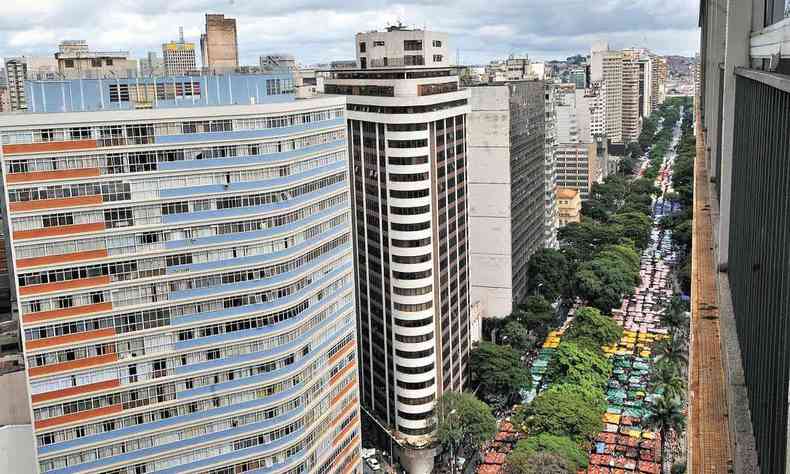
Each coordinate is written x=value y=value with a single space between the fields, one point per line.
x=606 y=67
x=76 y=61
x=506 y=154
x=185 y=285
x=578 y=167
x=569 y=203
x=219 y=45
x=179 y=56
x=152 y=65
x=551 y=218
x=744 y=112
x=20 y=69
x=407 y=144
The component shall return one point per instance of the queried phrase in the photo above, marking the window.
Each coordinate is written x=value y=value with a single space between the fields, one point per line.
x=378 y=43
x=95 y=62
x=108 y=62
x=412 y=45
x=362 y=48
x=68 y=62
x=437 y=44
x=437 y=58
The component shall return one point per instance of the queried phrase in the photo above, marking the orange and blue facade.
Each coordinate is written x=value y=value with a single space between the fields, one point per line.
x=184 y=280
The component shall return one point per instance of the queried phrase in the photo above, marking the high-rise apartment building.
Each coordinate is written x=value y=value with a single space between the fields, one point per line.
x=219 y=45
x=185 y=284
x=20 y=69
x=631 y=100
x=179 y=56
x=607 y=67
x=76 y=61
x=506 y=173
x=578 y=167
x=5 y=102
x=407 y=143
x=551 y=219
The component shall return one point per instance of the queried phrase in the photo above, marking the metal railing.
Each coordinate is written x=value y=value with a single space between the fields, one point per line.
x=759 y=254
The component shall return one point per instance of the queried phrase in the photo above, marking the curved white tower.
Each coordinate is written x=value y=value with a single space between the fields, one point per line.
x=407 y=143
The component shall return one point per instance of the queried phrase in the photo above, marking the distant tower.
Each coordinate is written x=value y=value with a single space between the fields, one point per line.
x=179 y=56
x=219 y=44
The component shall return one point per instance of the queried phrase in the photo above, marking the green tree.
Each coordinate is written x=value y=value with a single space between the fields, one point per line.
x=517 y=336
x=565 y=410
x=633 y=150
x=672 y=351
x=463 y=422
x=548 y=274
x=590 y=325
x=666 y=379
x=635 y=226
x=665 y=416
x=499 y=373
x=537 y=463
x=576 y=364
x=605 y=280
x=523 y=455
x=580 y=241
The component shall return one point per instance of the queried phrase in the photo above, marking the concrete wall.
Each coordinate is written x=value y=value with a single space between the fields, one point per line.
x=13 y=400
x=490 y=234
x=17 y=452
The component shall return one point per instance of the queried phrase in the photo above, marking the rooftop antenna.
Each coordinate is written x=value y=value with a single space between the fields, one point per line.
x=180 y=34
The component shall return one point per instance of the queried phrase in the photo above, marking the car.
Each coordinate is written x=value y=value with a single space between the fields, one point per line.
x=373 y=464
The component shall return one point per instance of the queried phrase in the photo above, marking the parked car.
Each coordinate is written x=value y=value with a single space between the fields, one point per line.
x=373 y=464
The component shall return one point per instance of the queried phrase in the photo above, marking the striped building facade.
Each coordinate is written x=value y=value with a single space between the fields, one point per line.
x=185 y=287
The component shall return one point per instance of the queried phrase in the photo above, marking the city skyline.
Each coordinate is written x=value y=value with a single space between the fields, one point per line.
x=544 y=30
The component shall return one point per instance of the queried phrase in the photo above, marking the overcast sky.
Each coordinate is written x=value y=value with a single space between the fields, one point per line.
x=321 y=31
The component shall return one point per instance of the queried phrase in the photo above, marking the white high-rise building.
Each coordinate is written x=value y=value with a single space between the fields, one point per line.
x=606 y=66
x=407 y=125
x=20 y=69
x=551 y=219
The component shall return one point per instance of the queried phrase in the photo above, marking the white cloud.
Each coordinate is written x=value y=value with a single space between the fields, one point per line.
x=320 y=31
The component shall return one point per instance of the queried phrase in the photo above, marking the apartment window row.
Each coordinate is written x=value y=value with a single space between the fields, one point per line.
x=150 y=160
x=116 y=449
x=152 y=214
x=165 y=343
x=408 y=178
x=410 y=211
x=408 y=161
x=219 y=401
x=413 y=109
x=157 y=393
x=411 y=243
x=413 y=291
x=366 y=90
x=417 y=431
x=150 y=241
x=415 y=370
x=410 y=227
x=332 y=461
x=119 y=132
x=154 y=318
x=413 y=308
x=409 y=194
x=407 y=127
x=407 y=143
x=431 y=89
x=416 y=385
x=109 y=191
x=414 y=355
x=411 y=259
x=412 y=275
x=416 y=401
x=148 y=370
x=414 y=339
x=157 y=266
x=168 y=391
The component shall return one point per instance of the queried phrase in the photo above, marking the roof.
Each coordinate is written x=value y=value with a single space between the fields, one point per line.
x=567 y=193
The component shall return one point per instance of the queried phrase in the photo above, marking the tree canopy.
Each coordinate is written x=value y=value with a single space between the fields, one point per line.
x=565 y=410
x=526 y=455
x=463 y=422
x=547 y=273
x=590 y=325
x=579 y=365
x=499 y=373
